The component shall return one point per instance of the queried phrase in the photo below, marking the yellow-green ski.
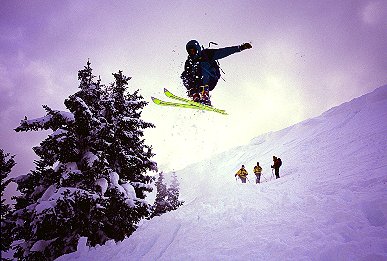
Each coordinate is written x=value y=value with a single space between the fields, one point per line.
x=187 y=103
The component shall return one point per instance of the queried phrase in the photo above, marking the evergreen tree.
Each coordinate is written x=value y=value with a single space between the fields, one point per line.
x=173 y=194
x=167 y=199
x=90 y=179
x=160 y=205
x=6 y=164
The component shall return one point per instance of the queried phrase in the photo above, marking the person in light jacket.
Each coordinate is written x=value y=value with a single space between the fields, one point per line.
x=242 y=174
x=257 y=172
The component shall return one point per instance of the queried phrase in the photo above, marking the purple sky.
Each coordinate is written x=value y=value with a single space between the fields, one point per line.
x=307 y=56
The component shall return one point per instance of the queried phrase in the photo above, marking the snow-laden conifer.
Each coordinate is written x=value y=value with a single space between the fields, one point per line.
x=160 y=206
x=90 y=179
x=173 y=194
x=167 y=198
x=6 y=164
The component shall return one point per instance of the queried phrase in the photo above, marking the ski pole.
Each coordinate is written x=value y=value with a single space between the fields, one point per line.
x=263 y=176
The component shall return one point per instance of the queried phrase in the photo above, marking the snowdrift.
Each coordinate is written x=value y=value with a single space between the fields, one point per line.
x=329 y=204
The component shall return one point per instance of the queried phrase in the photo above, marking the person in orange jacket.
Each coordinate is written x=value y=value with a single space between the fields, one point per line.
x=242 y=174
x=257 y=172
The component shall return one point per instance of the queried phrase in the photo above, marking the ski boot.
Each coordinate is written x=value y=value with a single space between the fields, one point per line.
x=205 y=95
x=194 y=94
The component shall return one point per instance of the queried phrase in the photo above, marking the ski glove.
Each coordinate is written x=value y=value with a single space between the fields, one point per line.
x=245 y=46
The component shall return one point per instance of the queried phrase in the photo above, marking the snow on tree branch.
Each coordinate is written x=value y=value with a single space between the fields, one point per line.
x=91 y=177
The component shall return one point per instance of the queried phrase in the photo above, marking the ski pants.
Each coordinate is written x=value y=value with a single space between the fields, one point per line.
x=276 y=171
x=258 y=180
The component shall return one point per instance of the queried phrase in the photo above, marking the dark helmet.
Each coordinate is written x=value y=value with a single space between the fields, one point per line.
x=193 y=44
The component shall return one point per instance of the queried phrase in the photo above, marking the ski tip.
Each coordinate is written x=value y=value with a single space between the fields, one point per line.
x=165 y=90
x=153 y=98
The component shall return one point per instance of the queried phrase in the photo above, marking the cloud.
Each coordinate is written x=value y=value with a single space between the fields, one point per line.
x=25 y=85
x=375 y=13
x=6 y=89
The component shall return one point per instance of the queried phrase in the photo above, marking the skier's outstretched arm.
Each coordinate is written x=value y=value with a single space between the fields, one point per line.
x=224 y=52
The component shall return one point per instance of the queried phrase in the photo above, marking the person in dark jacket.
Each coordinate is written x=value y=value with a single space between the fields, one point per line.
x=201 y=70
x=277 y=162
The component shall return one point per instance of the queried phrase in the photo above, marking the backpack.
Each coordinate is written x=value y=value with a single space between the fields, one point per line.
x=279 y=162
x=215 y=65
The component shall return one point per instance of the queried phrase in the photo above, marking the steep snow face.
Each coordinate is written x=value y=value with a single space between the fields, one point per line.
x=329 y=204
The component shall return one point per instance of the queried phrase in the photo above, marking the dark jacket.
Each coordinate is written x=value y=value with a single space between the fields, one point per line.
x=204 y=63
x=277 y=163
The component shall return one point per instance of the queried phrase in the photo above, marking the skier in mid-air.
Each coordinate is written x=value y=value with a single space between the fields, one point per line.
x=201 y=70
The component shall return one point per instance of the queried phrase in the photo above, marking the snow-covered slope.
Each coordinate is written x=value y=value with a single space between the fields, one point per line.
x=329 y=204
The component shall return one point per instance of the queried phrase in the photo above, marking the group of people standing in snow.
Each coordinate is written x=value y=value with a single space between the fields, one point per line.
x=242 y=173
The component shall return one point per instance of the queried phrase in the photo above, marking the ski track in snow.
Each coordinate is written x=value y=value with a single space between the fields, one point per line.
x=329 y=204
